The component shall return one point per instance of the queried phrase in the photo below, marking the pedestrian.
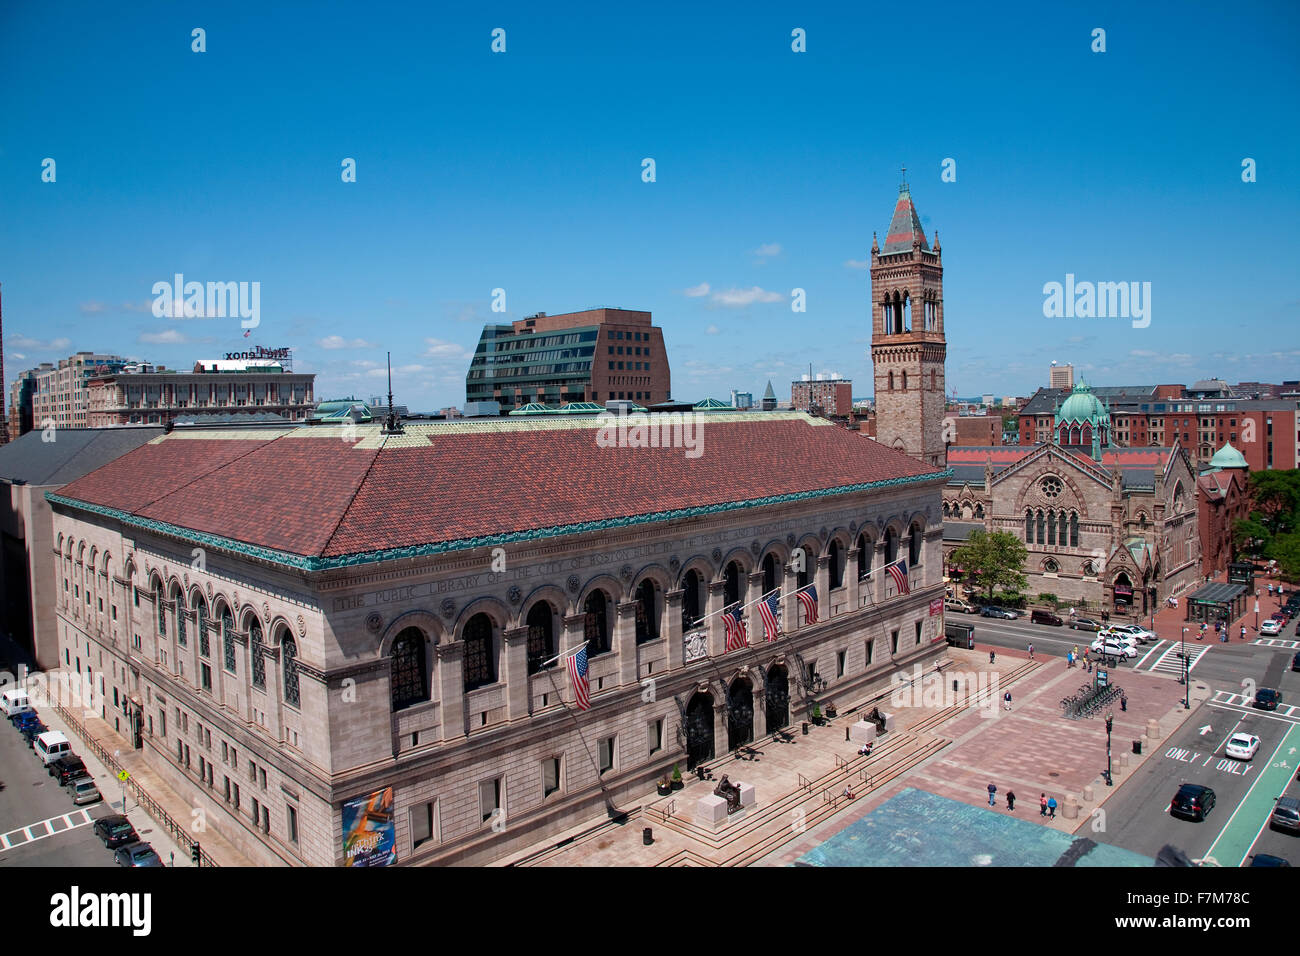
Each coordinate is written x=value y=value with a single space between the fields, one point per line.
x=1069 y=659
x=1042 y=805
x=1270 y=589
x=1031 y=652
x=1123 y=702
x=1072 y=614
x=1051 y=807
x=1243 y=632
x=992 y=655
x=992 y=795
x=1006 y=700
x=1011 y=800
x=1076 y=651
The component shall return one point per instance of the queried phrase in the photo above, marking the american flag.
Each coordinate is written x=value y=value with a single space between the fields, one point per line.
x=577 y=664
x=898 y=571
x=808 y=598
x=736 y=636
x=767 y=609
x=247 y=332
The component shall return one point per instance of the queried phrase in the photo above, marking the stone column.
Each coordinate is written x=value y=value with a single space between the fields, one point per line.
x=754 y=619
x=673 y=628
x=790 y=616
x=823 y=587
x=451 y=689
x=878 y=579
x=717 y=634
x=721 y=730
x=760 y=708
x=852 y=585
x=625 y=642
x=519 y=698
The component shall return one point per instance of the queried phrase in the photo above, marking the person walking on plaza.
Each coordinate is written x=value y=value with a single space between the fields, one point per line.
x=992 y=795
x=1243 y=632
x=1051 y=808
x=992 y=655
x=1011 y=800
x=1031 y=652
x=1042 y=805
x=1006 y=700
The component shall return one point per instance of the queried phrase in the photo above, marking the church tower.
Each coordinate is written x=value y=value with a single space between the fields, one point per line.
x=907 y=342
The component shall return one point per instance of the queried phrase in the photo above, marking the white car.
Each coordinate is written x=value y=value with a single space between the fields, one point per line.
x=1242 y=746
x=1117 y=637
x=1271 y=626
x=1141 y=634
x=1112 y=648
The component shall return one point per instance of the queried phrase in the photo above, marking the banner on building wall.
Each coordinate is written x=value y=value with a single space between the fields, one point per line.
x=369 y=834
x=936 y=606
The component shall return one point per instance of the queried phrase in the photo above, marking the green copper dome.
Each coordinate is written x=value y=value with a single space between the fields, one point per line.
x=1082 y=406
x=1228 y=457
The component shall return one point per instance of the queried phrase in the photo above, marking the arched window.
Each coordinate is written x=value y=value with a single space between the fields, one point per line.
x=934 y=380
x=228 y=640
x=891 y=546
x=408 y=677
x=201 y=623
x=647 y=620
x=891 y=381
x=1051 y=567
x=595 y=626
x=289 y=662
x=771 y=574
x=946 y=511
x=905 y=380
x=914 y=546
x=866 y=551
x=733 y=588
x=182 y=612
x=1029 y=526
x=690 y=600
x=162 y=613
x=836 y=565
x=480 y=662
x=979 y=510
x=1074 y=529
x=1042 y=527
x=255 y=645
x=1051 y=528
x=541 y=636
x=804 y=574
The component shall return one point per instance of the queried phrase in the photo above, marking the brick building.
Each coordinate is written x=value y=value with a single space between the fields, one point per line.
x=982 y=430
x=56 y=392
x=908 y=347
x=831 y=396
x=1222 y=498
x=351 y=641
x=591 y=356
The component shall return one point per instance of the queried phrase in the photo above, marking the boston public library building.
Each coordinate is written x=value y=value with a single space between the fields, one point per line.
x=341 y=643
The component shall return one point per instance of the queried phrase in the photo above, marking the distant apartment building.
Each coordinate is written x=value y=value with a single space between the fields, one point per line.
x=55 y=394
x=142 y=394
x=742 y=399
x=981 y=430
x=590 y=356
x=1061 y=377
x=833 y=396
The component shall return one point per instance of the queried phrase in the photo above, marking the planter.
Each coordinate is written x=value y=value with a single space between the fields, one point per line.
x=677 y=785
x=665 y=791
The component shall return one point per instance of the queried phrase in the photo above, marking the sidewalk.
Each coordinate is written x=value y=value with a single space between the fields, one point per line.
x=1169 y=622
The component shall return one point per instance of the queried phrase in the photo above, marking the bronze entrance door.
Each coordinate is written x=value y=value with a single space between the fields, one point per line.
x=699 y=730
x=778 y=698
x=740 y=715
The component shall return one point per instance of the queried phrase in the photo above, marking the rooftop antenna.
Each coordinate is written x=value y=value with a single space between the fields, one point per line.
x=391 y=427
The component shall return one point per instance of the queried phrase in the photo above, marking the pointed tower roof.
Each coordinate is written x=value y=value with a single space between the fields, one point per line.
x=769 y=393
x=905 y=227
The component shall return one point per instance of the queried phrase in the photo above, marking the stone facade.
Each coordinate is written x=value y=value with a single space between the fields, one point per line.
x=314 y=724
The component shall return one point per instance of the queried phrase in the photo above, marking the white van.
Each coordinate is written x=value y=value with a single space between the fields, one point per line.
x=50 y=746
x=15 y=702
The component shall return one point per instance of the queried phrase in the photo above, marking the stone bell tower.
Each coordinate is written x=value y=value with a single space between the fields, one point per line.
x=908 y=347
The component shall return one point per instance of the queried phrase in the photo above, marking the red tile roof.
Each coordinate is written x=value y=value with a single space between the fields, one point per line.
x=307 y=492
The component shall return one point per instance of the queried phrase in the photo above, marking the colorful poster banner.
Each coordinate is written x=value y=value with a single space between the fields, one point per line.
x=369 y=834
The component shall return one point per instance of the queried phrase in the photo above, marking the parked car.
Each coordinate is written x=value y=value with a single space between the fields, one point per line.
x=1295 y=662
x=1193 y=800
x=1085 y=624
x=1045 y=617
x=1005 y=614
x=1266 y=698
x=1270 y=627
x=1142 y=635
x=137 y=854
x=31 y=731
x=1268 y=859
x=14 y=701
x=115 y=830
x=1109 y=648
x=68 y=767
x=1286 y=814
x=1117 y=637
x=960 y=605
x=83 y=791
x=51 y=745
x=1242 y=746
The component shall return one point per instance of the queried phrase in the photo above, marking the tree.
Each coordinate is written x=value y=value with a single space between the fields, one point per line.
x=998 y=559
x=1246 y=532
x=1276 y=497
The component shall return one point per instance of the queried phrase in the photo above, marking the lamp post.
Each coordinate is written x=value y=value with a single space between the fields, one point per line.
x=1256 y=610
x=1187 y=705
x=1110 y=721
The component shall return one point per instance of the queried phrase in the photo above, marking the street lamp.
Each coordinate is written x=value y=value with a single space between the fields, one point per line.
x=1110 y=720
x=1257 y=609
x=1186 y=687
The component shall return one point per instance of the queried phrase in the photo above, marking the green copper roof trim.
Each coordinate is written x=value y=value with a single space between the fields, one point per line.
x=313 y=563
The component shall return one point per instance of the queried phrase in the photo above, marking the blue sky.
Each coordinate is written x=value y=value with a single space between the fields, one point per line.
x=522 y=170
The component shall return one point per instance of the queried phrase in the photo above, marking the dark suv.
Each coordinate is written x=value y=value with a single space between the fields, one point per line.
x=68 y=767
x=1045 y=617
x=1192 y=800
x=115 y=831
x=1268 y=699
x=1286 y=815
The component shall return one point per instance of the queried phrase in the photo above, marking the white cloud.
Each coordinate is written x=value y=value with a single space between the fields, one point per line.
x=858 y=264
x=711 y=330
x=27 y=342
x=17 y=355
x=90 y=308
x=768 y=249
x=738 y=298
x=339 y=342
x=445 y=350
x=397 y=370
x=144 y=306
x=166 y=337
x=696 y=291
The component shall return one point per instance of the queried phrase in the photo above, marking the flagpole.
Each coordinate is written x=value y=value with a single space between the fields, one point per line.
x=563 y=654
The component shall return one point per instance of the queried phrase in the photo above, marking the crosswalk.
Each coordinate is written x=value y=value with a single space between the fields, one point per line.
x=1168 y=659
x=1277 y=642
x=1229 y=699
x=45 y=828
